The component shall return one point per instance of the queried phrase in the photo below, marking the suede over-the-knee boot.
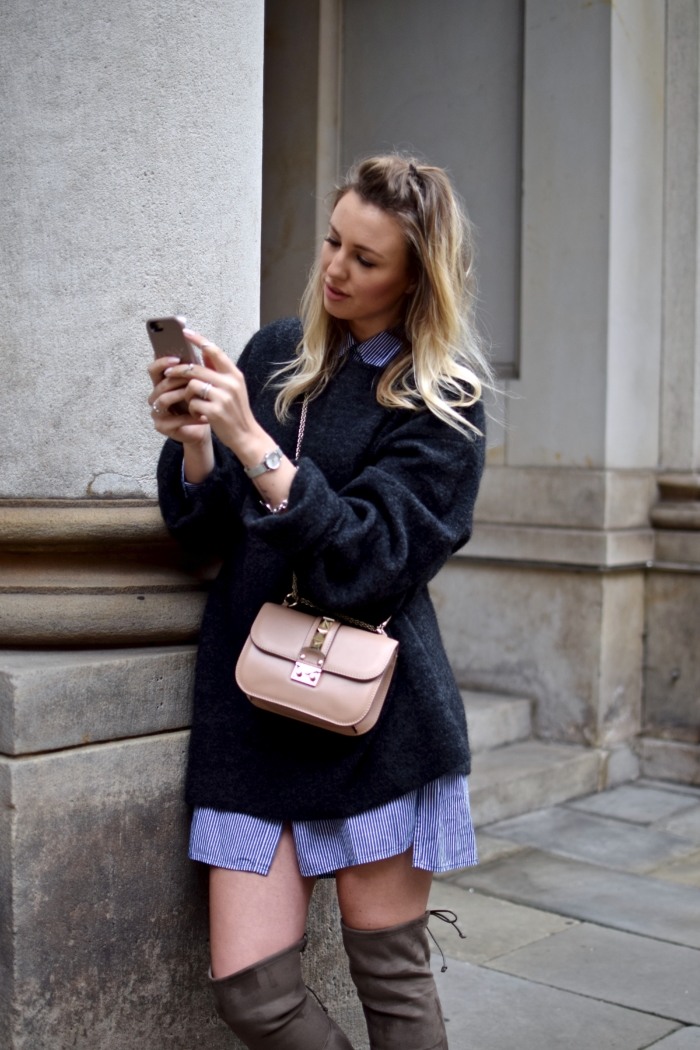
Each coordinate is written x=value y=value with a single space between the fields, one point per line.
x=391 y=971
x=268 y=1006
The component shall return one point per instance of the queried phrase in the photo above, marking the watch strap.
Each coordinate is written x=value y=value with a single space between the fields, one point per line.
x=262 y=468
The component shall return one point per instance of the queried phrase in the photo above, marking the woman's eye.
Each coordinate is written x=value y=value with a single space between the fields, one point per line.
x=365 y=262
x=331 y=240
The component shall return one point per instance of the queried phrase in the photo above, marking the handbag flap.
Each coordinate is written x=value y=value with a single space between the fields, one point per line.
x=354 y=653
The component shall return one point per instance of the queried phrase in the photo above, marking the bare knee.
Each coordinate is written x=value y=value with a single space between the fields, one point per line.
x=383 y=893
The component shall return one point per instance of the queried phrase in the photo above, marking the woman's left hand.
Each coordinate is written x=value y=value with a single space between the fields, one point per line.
x=216 y=391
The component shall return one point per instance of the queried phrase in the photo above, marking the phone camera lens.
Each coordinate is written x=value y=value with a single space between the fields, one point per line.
x=155 y=327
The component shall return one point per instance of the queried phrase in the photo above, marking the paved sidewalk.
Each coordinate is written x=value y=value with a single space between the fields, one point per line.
x=583 y=927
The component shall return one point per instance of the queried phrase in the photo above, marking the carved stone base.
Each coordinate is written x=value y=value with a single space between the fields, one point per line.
x=103 y=919
x=94 y=573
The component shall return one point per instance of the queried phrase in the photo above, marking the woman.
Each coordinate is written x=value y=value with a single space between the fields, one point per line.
x=387 y=357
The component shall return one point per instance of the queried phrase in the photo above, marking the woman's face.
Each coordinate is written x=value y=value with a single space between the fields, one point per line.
x=364 y=265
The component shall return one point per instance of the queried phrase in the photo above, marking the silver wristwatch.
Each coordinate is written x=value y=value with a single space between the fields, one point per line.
x=271 y=461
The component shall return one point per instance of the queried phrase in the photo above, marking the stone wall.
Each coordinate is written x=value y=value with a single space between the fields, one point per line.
x=571 y=642
x=579 y=588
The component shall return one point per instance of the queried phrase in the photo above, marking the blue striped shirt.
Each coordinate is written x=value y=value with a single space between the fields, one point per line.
x=435 y=819
x=378 y=350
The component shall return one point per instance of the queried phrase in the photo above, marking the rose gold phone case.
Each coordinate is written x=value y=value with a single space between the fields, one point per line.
x=167 y=340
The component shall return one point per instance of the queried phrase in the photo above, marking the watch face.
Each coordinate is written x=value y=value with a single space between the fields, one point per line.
x=273 y=460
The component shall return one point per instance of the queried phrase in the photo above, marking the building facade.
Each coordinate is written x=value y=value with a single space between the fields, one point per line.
x=571 y=132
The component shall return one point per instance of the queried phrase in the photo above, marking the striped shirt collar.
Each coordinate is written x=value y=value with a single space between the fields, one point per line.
x=378 y=350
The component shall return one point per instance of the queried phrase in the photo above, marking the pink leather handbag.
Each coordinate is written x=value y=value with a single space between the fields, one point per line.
x=331 y=671
x=316 y=669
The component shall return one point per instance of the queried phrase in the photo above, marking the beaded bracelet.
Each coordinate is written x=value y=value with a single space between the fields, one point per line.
x=278 y=509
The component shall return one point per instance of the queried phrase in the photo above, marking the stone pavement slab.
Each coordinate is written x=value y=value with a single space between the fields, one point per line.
x=490 y=848
x=492 y=927
x=494 y=1011
x=616 y=967
x=686 y=824
x=636 y=803
x=683 y=1039
x=599 y=840
x=669 y=785
x=685 y=871
x=638 y=904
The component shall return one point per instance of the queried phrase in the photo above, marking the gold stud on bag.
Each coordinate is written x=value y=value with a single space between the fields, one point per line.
x=330 y=671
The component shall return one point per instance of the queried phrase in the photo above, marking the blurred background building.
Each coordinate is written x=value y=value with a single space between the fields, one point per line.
x=571 y=132
x=175 y=157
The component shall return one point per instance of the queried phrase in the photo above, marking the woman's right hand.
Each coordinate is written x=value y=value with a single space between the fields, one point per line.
x=192 y=431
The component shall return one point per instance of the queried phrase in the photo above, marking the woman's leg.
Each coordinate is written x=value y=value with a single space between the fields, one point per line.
x=252 y=916
x=384 y=893
x=257 y=928
x=384 y=931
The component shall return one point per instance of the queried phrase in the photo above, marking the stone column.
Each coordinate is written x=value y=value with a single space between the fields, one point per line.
x=672 y=677
x=131 y=184
x=680 y=374
x=550 y=592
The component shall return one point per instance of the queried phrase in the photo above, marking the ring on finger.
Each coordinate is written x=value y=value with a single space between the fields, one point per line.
x=158 y=411
x=203 y=394
x=189 y=367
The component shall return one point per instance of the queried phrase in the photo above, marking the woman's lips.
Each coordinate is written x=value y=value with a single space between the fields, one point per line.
x=334 y=294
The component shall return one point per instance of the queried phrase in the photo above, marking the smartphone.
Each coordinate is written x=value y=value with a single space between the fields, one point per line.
x=167 y=340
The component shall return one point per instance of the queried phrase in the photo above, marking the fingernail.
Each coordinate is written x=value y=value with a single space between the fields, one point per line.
x=168 y=370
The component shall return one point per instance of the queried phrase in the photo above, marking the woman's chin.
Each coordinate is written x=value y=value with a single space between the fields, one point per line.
x=338 y=308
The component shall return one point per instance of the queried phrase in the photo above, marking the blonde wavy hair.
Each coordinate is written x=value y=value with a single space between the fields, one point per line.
x=442 y=366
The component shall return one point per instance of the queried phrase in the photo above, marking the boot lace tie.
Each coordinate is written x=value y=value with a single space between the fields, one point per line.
x=444 y=914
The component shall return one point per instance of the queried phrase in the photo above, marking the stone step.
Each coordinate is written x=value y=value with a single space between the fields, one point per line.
x=495 y=720
x=669 y=760
x=521 y=777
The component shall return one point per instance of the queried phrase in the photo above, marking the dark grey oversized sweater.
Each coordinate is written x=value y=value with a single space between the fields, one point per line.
x=381 y=499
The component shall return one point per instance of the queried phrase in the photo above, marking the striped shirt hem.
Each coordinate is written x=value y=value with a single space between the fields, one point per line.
x=435 y=819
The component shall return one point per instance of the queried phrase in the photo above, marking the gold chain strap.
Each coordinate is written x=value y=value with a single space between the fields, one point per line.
x=294 y=598
x=302 y=425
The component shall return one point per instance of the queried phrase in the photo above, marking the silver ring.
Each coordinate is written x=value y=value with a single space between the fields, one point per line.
x=189 y=367
x=158 y=411
x=203 y=394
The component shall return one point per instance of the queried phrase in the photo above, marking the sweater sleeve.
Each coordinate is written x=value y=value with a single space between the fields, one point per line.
x=392 y=527
x=205 y=518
